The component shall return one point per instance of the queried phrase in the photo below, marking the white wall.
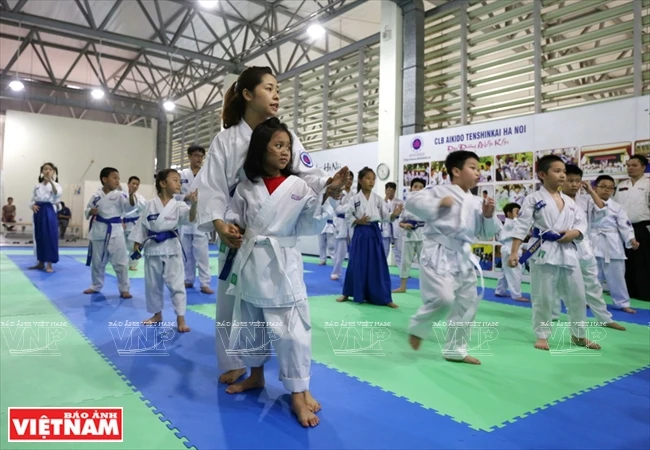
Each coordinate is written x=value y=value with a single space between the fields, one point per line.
x=79 y=148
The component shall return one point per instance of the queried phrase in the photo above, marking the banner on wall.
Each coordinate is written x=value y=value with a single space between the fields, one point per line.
x=598 y=138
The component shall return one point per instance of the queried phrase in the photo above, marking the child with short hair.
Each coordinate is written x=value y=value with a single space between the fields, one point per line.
x=156 y=231
x=511 y=277
x=106 y=238
x=367 y=278
x=588 y=263
x=390 y=231
x=413 y=228
x=274 y=207
x=343 y=230
x=131 y=217
x=612 y=232
x=555 y=268
x=455 y=219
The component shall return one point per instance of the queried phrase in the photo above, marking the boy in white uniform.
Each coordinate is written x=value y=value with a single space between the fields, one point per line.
x=455 y=219
x=511 y=277
x=326 y=242
x=555 y=267
x=195 y=242
x=389 y=230
x=343 y=230
x=157 y=232
x=611 y=233
x=588 y=264
x=131 y=217
x=105 y=211
x=413 y=234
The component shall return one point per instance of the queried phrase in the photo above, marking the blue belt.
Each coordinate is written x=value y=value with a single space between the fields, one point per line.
x=158 y=237
x=232 y=252
x=130 y=219
x=415 y=223
x=546 y=236
x=109 y=224
x=330 y=221
x=341 y=216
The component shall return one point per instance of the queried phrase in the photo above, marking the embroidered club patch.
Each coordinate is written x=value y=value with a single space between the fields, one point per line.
x=233 y=279
x=306 y=159
x=539 y=205
x=222 y=248
x=357 y=204
x=151 y=217
x=296 y=197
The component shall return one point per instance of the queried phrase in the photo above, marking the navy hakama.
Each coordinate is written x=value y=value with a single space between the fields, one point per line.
x=46 y=233
x=367 y=277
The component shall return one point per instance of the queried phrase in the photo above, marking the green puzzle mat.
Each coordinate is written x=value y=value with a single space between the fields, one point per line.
x=478 y=395
x=22 y=377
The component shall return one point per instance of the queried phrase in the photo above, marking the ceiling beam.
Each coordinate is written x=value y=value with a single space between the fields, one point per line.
x=137 y=43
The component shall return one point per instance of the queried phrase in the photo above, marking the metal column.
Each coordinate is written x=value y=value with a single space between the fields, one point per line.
x=464 y=79
x=326 y=89
x=361 y=81
x=537 y=45
x=413 y=67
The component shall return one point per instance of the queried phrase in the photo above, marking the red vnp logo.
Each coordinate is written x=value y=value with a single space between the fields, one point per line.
x=66 y=424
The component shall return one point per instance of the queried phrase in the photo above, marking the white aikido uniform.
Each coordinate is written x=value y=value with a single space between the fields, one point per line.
x=554 y=267
x=194 y=242
x=391 y=234
x=589 y=268
x=218 y=178
x=343 y=234
x=326 y=242
x=163 y=261
x=130 y=219
x=412 y=239
x=511 y=277
x=110 y=207
x=447 y=263
x=267 y=278
x=611 y=233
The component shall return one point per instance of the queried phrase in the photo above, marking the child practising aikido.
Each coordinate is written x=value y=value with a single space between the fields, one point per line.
x=454 y=220
x=274 y=207
x=588 y=263
x=367 y=277
x=412 y=238
x=612 y=232
x=156 y=231
x=510 y=280
x=132 y=216
x=105 y=211
x=555 y=267
x=343 y=229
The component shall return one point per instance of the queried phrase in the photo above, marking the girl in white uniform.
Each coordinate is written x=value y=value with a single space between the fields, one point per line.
x=274 y=207
x=249 y=102
x=47 y=194
x=157 y=232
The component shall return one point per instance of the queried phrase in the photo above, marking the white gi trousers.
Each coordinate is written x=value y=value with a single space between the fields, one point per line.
x=614 y=273
x=115 y=254
x=161 y=271
x=196 y=250
x=288 y=329
x=326 y=246
x=225 y=309
x=593 y=293
x=450 y=296
x=510 y=280
x=412 y=250
x=547 y=284
x=340 y=250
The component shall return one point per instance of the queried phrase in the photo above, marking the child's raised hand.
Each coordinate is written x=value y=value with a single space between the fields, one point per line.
x=488 y=207
x=398 y=209
x=586 y=185
x=194 y=197
x=339 y=179
x=447 y=202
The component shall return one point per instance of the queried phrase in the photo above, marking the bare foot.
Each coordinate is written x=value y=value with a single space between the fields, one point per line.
x=468 y=359
x=231 y=376
x=49 y=270
x=392 y=305
x=615 y=326
x=133 y=268
x=157 y=318
x=37 y=267
x=91 y=291
x=188 y=285
x=255 y=381
x=542 y=344
x=521 y=299
x=415 y=342
x=322 y=263
x=206 y=290
x=299 y=407
x=125 y=295
x=181 y=325
x=399 y=290
x=629 y=310
x=584 y=342
x=334 y=277
x=311 y=402
x=342 y=298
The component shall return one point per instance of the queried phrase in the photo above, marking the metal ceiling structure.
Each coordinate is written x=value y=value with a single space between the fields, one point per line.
x=144 y=52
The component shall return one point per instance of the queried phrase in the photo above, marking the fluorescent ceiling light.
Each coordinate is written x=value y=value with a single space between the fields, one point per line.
x=97 y=94
x=316 y=31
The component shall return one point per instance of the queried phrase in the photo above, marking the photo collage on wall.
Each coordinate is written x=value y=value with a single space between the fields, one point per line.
x=511 y=177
